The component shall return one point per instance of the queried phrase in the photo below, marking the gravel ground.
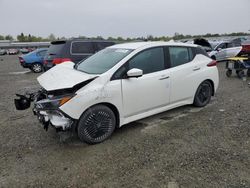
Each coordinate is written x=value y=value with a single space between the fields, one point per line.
x=185 y=147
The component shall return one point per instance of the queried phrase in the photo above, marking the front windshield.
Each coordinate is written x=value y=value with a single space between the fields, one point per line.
x=103 y=60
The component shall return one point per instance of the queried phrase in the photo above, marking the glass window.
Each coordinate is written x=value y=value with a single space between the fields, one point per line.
x=149 y=61
x=221 y=46
x=56 y=47
x=42 y=53
x=178 y=56
x=230 y=45
x=102 y=45
x=103 y=60
x=82 y=48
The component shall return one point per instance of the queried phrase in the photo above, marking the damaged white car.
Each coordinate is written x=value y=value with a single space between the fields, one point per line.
x=121 y=84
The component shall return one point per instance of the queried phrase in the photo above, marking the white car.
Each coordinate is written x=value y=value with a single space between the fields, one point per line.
x=225 y=50
x=121 y=84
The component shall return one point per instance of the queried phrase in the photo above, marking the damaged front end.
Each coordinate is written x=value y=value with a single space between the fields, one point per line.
x=46 y=108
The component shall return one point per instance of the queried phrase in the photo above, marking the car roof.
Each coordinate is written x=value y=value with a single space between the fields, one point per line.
x=136 y=45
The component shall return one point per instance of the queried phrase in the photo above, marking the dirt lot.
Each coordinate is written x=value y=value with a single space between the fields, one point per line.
x=186 y=147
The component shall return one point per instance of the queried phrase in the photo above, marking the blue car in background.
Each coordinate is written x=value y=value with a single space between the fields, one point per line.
x=33 y=60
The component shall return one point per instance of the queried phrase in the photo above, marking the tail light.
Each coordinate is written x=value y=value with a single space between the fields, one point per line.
x=21 y=59
x=245 y=48
x=60 y=60
x=212 y=63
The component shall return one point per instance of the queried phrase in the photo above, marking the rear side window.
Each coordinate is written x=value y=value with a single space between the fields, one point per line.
x=82 y=48
x=151 y=60
x=102 y=45
x=179 y=55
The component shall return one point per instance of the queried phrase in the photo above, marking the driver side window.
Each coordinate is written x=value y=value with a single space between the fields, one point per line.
x=149 y=61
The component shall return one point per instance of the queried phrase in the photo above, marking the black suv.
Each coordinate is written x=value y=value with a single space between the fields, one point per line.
x=73 y=50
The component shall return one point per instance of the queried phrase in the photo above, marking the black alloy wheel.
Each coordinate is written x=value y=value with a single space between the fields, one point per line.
x=203 y=94
x=96 y=124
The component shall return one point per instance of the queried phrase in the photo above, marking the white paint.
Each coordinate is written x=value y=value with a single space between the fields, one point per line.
x=135 y=98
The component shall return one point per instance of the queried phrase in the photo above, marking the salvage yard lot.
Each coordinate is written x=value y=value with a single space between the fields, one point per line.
x=185 y=147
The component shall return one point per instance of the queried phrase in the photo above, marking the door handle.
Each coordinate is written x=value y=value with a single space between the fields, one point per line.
x=164 y=78
x=196 y=68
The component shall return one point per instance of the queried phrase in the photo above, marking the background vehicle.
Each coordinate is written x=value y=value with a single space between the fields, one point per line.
x=13 y=51
x=3 y=52
x=225 y=50
x=121 y=84
x=73 y=50
x=24 y=50
x=33 y=60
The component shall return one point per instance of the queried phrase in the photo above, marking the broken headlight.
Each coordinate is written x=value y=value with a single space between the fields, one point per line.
x=53 y=103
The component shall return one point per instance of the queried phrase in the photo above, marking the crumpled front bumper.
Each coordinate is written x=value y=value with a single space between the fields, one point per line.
x=53 y=117
x=47 y=115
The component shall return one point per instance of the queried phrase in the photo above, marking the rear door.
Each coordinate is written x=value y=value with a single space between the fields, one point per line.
x=184 y=73
x=80 y=50
x=232 y=50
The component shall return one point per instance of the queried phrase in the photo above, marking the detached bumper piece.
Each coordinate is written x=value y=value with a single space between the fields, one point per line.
x=55 y=118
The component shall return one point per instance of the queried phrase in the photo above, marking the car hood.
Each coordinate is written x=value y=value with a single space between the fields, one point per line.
x=63 y=76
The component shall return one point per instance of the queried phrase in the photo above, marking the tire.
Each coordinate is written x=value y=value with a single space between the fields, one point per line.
x=213 y=57
x=96 y=124
x=248 y=72
x=37 y=67
x=203 y=94
x=229 y=73
x=240 y=74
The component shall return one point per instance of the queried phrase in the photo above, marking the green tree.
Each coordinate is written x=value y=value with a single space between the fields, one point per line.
x=51 y=37
x=9 y=37
x=21 y=37
x=2 y=37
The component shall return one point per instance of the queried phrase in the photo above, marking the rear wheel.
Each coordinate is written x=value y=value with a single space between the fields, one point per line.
x=203 y=94
x=240 y=74
x=96 y=124
x=229 y=73
x=36 y=67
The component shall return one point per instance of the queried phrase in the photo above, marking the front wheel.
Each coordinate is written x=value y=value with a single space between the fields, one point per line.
x=96 y=124
x=203 y=94
x=36 y=68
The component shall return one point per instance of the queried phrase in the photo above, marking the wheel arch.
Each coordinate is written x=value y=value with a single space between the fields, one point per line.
x=212 y=83
x=112 y=107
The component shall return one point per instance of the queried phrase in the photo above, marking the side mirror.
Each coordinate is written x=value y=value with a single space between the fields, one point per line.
x=219 y=49
x=134 y=73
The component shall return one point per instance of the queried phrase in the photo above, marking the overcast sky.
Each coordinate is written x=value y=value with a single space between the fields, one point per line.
x=126 y=18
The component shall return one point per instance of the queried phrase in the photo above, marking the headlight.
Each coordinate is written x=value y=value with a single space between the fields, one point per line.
x=53 y=103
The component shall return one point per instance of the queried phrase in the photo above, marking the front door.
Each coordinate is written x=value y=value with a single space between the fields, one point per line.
x=150 y=91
